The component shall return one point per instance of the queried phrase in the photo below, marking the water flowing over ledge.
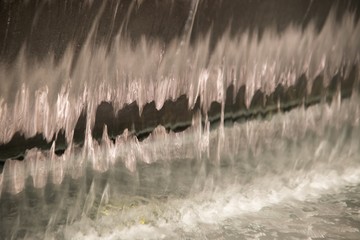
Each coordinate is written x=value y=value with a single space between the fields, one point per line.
x=159 y=121
x=146 y=83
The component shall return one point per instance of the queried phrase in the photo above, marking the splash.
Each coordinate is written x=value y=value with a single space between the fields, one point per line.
x=186 y=184
x=173 y=184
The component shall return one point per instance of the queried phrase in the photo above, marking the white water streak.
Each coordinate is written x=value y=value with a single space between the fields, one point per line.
x=44 y=97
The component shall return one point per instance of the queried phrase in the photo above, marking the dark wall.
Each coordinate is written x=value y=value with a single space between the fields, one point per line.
x=50 y=26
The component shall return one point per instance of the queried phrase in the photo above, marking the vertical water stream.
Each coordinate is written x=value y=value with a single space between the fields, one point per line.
x=142 y=127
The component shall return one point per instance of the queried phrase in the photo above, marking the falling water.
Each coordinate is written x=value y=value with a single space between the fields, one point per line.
x=281 y=160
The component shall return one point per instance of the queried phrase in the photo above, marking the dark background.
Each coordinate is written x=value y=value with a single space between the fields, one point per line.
x=46 y=27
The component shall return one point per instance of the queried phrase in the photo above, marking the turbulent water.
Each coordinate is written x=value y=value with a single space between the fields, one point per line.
x=295 y=175
x=291 y=175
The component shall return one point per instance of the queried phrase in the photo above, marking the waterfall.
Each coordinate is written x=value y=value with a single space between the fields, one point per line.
x=179 y=119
